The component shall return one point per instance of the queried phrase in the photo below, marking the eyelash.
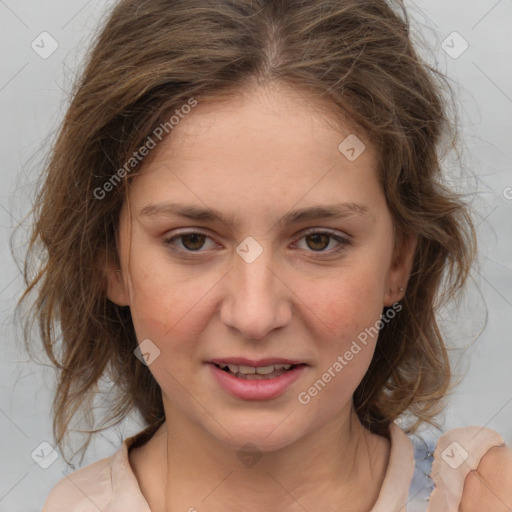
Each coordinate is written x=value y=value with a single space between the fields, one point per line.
x=343 y=242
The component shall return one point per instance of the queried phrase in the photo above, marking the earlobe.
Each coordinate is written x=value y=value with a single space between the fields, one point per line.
x=400 y=269
x=394 y=295
x=114 y=282
x=116 y=289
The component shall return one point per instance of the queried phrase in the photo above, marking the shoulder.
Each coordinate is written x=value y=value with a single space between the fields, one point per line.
x=489 y=486
x=107 y=483
x=84 y=490
x=472 y=471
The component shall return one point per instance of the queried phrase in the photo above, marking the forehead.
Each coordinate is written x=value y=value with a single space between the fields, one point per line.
x=275 y=120
x=271 y=143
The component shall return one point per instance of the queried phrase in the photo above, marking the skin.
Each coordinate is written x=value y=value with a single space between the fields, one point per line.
x=254 y=159
x=489 y=487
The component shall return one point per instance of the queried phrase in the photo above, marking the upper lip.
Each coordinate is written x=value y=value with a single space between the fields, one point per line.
x=267 y=361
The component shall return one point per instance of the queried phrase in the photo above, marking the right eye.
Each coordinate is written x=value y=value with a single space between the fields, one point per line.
x=190 y=242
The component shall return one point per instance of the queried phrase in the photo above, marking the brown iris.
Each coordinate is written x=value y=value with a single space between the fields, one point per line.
x=320 y=241
x=195 y=241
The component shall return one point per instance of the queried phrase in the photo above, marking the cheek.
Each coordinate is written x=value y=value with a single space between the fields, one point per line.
x=347 y=305
x=151 y=304
x=346 y=347
x=168 y=306
x=346 y=312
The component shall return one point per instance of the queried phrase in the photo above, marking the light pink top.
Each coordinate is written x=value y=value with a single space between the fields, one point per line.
x=109 y=485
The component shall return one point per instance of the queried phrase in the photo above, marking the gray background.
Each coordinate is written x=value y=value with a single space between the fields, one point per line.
x=33 y=98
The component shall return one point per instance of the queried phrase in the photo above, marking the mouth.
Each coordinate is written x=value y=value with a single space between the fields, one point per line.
x=262 y=379
x=249 y=369
x=256 y=372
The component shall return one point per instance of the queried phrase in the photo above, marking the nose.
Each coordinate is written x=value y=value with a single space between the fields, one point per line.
x=257 y=299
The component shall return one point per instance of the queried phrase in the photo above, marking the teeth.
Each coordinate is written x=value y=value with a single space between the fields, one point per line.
x=263 y=370
x=260 y=370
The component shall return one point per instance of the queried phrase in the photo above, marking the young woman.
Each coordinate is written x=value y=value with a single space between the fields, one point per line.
x=245 y=232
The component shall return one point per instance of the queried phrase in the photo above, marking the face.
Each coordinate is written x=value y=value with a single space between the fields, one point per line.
x=252 y=239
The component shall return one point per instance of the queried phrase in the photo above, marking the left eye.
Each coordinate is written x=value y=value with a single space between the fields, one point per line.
x=319 y=241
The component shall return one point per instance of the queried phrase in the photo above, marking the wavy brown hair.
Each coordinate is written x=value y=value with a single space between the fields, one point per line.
x=149 y=58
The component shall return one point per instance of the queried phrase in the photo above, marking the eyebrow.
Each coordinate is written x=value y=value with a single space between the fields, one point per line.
x=333 y=211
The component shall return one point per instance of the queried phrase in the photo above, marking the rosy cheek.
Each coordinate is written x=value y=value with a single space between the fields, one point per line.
x=334 y=304
x=149 y=308
x=149 y=325
x=347 y=314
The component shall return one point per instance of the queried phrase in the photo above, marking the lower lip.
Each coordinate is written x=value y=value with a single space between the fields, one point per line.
x=261 y=389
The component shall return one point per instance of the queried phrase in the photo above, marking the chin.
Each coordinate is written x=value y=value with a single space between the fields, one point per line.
x=266 y=436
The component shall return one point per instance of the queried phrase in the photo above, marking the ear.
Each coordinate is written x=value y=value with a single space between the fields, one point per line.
x=400 y=270
x=117 y=290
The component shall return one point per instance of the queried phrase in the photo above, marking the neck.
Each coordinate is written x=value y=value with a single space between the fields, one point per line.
x=340 y=463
